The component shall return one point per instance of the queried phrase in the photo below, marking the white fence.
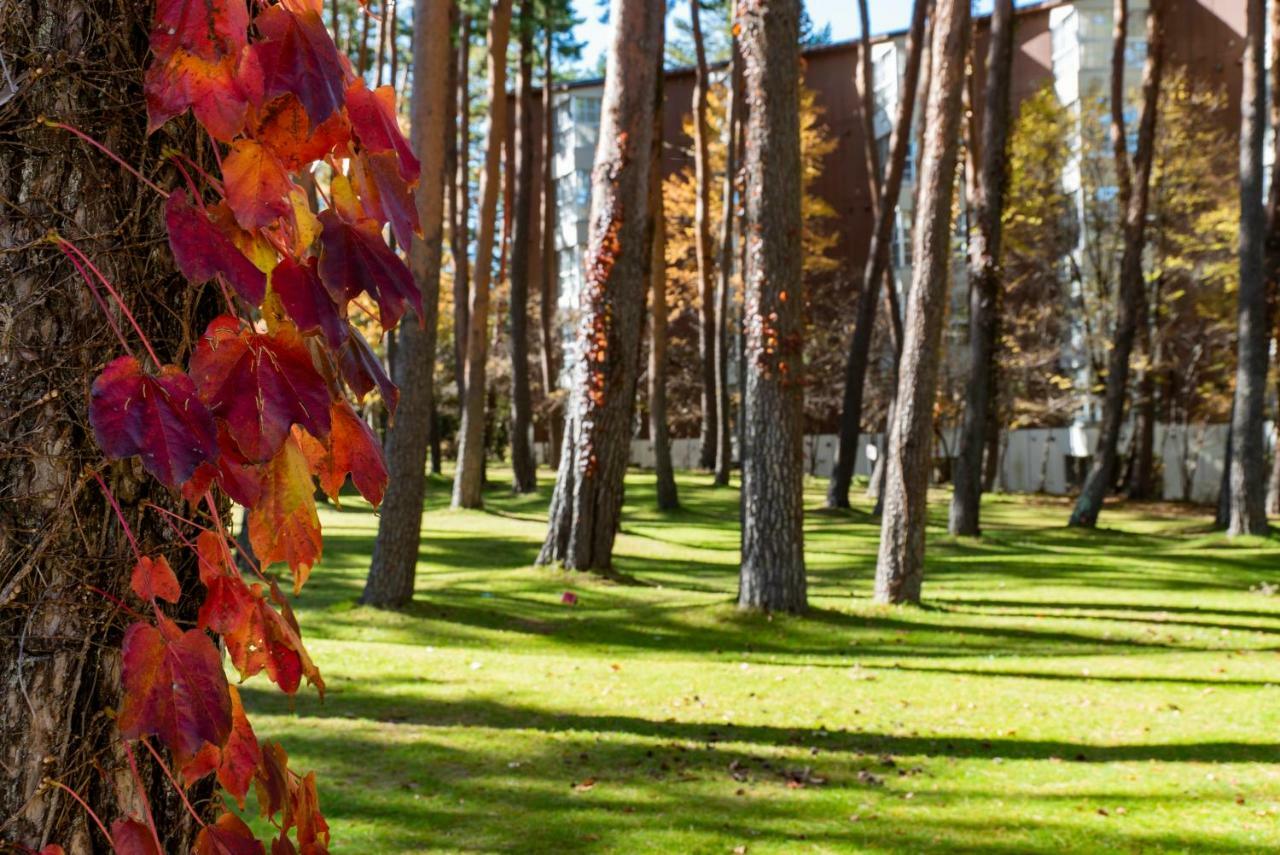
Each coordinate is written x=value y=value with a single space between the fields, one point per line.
x=1033 y=460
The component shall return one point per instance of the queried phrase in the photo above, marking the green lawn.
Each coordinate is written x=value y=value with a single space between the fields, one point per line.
x=1062 y=691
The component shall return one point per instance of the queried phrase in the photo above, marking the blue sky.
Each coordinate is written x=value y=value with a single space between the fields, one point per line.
x=842 y=15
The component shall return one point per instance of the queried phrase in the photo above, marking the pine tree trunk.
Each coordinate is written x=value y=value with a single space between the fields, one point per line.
x=664 y=474
x=877 y=269
x=984 y=275
x=63 y=554
x=1273 y=233
x=724 y=268
x=1142 y=472
x=395 y=551
x=1248 y=457
x=772 y=576
x=1133 y=207
x=460 y=237
x=524 y=479
x=900 y=567
x=468 y=481
x=548 y=291
x=587 y=501
x=702 y=248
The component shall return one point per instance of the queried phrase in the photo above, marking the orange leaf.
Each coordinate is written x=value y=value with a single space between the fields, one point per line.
x=285 y=129
x=241 y=755
x=284 y=525
x=153 y=579
x=257 y=185
x=212 y=88
x=352 y=448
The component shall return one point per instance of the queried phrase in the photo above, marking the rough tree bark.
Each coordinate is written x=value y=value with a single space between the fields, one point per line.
x=664 y=474
x=724 y=268
x=772 y=576
x=589 y=484
x=1248 y=452
x=395 y=551
x=877 y=268
x=710 y=435
x=523 y=478
x=1132 y=181
x=460 y=236
x=548 y=292
x=984 y=275
x=450 y=207
x=63 y=554
x=469 y=476
x=900 y=566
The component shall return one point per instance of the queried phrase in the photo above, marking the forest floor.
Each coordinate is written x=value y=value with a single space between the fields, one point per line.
x=1061 y=691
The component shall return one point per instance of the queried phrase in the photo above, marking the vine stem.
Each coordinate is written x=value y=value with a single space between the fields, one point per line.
x=111 y=497
x=124 y=307
x=181 y=792
x=217 y=519
x=87 y=809
x=142 y=791
x=213 y=182
x=109 y=153
x=119 y=603
x=102 y=304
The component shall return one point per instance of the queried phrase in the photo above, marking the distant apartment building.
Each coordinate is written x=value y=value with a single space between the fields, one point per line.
x=1063 y=43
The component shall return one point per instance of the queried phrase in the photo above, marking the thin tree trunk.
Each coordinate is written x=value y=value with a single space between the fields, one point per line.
x=772 y=576
x=877 y=269
x=461 y=237
x=457 y=242
x=1222 y=514
x=395 y=551
x=585 y=507
x=1142 y=472
x=724 y=281
x=468 y=479
x=867 y=108
x=63 y=555
x=524 y=478
x=900 y=567
x=710 y=434
x=383 y=23
x=1133 y=205
x=1248 y=458
x=984 y=275
x=1273 y=235
x=664 y=475
x=548 y=289
x=362 y=56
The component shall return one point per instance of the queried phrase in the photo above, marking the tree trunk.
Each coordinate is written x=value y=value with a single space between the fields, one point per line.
x=1133 y=205
x=772 y=576
x=585 y=506
x=468 y=479
x=1248 y=457
x=702 y=248
x=460 y=238
x=1273 y=235
x=877 y=269
x=724 y=270
x=395 y=551
x=664 y=475
x=524 y=479
x=1142 y=472
x=984 y=275
x=900 y=567
x=63 y=555
x=548 y=291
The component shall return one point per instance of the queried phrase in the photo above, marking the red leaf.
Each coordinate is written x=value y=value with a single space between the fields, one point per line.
x=153 y=579
x=373 y=118
x=130 y=837
x=273 y=785
x=298 y=56
x=259 y=384
x=352 y=448
x=362 y=370
x=228 y=836
x=283 y=526
x=241 y=755
x=285 y=129
x=312 y=829
x=257 y=185
x=307 y=301
x=158 y=418
x=174 y=688
x=202 y=251
x=386 y=195
x=208 y=28
x=217 y=91
x=355 y=258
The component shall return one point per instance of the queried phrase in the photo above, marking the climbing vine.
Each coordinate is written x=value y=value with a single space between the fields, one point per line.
x=312 y=167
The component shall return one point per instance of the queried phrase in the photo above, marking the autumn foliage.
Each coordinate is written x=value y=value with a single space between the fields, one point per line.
x=261 y=411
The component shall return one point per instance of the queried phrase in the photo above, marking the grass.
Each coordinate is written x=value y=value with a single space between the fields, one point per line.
x=1061 y=691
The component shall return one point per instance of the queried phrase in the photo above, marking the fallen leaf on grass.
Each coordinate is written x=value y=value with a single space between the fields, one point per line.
x=584 y=785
